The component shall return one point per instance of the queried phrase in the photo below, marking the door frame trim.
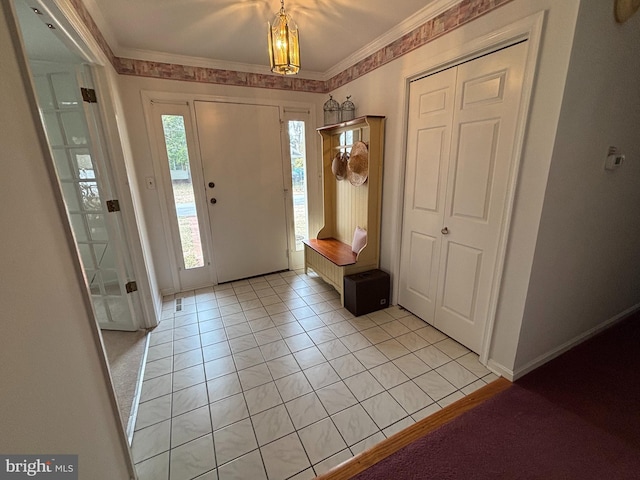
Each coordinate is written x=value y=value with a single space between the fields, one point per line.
x=149 y=96
x=529 y=29
x=287 y=115
x=114 y=144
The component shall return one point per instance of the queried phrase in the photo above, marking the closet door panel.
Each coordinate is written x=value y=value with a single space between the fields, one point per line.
x=488 y=95
x=428 y=142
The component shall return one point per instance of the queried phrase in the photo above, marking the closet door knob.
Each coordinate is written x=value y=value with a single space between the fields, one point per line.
x=445 y=231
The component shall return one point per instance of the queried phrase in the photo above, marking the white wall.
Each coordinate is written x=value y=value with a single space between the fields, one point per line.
x=587 y=262
x=130 y=89
x=56 y=397
x=383 y=92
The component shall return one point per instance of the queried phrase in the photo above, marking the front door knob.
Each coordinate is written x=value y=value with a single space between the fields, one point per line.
x=445 y=231
x=213 y=200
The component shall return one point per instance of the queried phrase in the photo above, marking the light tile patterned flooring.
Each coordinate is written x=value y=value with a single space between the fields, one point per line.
x=271 y=378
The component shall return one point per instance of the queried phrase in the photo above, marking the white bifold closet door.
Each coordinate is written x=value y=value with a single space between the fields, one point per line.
x=460 y=142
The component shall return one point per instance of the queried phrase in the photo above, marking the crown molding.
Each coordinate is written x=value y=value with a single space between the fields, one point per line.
x=419 y=18
x=108 y=43
x=154 y=56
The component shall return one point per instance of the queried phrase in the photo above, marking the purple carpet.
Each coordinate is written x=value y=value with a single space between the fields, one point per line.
x=599 y=380
x=578 y=417
x=515 y=435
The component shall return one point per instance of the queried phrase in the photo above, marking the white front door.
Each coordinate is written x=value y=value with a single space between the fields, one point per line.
x=461 y=134
x=241 y=154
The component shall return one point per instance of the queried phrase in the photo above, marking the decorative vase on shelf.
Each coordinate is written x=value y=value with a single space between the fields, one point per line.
x=347 y=110
x=331 y=111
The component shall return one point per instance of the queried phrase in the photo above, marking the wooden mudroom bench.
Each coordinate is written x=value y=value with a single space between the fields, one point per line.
x=333 y=250
x=346 y=206
x=331 y=259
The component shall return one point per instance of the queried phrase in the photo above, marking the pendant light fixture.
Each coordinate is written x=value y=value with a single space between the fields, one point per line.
x=284 y=48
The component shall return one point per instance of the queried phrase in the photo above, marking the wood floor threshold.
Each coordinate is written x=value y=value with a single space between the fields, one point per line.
x=382 y=450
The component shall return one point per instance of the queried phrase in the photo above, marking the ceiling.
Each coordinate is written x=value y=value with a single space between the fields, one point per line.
x=232 y=33
x=41 y=42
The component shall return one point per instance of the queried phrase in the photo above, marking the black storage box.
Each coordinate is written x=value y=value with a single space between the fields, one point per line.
x=366 y=292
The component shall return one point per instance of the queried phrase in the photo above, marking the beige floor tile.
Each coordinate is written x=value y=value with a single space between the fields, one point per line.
x=383 y=409
x=228 y=410
x=305 y=410
x=151 y=441
x=333 y=461
x=293 y=386
x=248 y=358
x=262 y=398
x=190 y=425
x=223 y=387
x=153 y=411
x=321 y=440
x=285 y=457
x=263 y=345
x=336 y=397
x=234 y=440
x=272 y=424
x=354 y=424
x=246 y=467
x=189 y=399
x=192 y=459
x=154 y=468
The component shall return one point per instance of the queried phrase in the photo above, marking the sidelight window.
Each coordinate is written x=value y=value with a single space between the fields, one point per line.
x=175 y=139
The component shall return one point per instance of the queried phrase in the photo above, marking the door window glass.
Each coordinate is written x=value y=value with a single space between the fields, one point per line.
x=297 y=150
x=175 y=139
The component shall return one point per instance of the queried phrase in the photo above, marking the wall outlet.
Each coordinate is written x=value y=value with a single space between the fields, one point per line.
x=614 y=161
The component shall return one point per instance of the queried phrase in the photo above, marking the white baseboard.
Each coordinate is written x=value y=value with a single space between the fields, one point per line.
x=133 y=416
x=168 y=291
x=501 y=370
x=550 y=355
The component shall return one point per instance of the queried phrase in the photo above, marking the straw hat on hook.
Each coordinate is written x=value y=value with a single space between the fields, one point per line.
x=358 y=165
x=339 y=165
